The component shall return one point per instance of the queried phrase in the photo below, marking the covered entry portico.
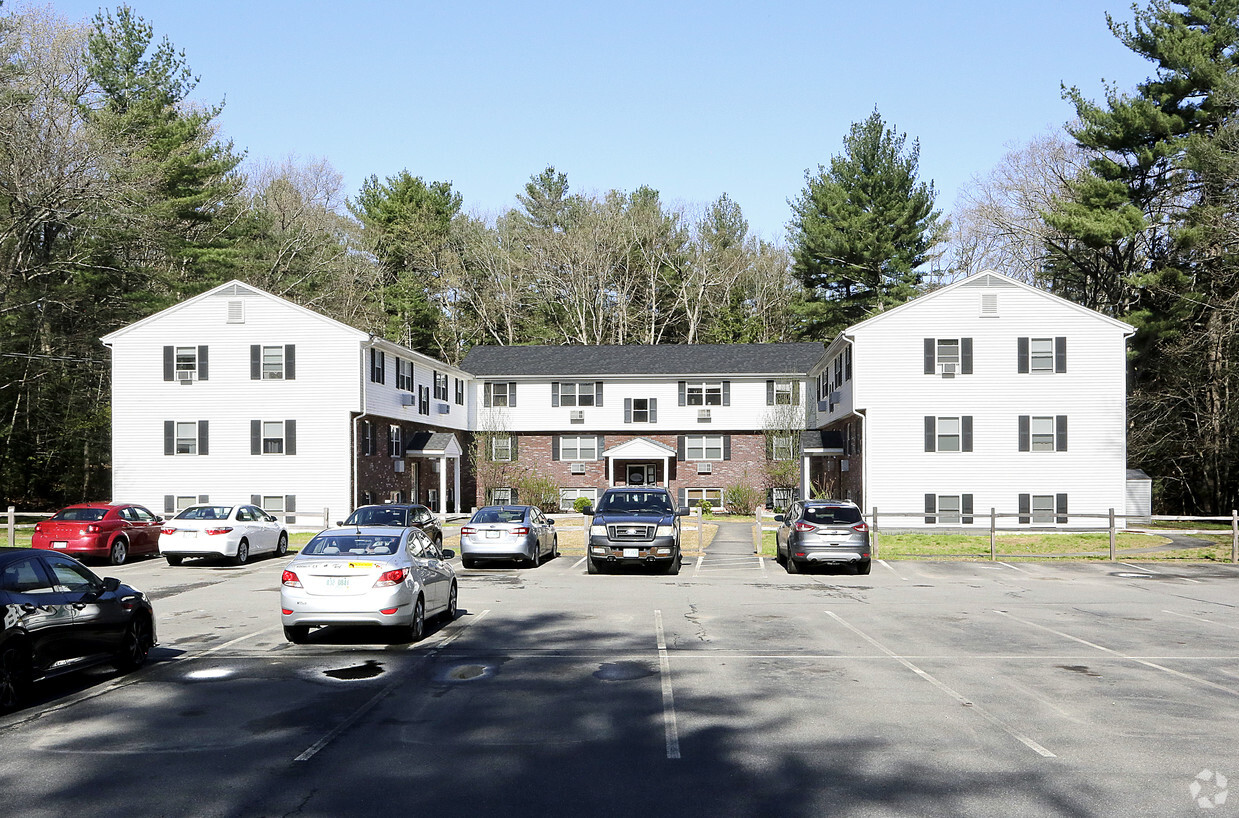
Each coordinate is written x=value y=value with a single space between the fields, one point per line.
x=639 y=462
x=440 y=448
x=824 y=470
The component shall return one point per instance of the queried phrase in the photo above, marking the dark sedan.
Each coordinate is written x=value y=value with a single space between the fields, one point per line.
x=60 y=617
x=400 y=515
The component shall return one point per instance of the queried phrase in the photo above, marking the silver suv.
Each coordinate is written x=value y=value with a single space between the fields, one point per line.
x=815 y=532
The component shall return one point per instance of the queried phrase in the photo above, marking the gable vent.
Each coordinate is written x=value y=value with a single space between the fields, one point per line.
x=236 y=312
x=989 y=305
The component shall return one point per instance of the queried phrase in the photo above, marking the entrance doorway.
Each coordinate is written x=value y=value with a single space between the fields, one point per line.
x=642 y=474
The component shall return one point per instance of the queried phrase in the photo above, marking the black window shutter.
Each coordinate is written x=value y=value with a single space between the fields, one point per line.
x=204 y=442
x=290 y=437
x=1060 y=433
x=965 y=356
x=169 y=437
x=683 y=393
x=486 y=394
x=769 y=447
x=511 y=393
x=202 y=362
x=169 y=363
x=1021 y=354
x=515 y=455
x=931 y=507
x=683 y=496
x=770 y=393
x=653 y=410
x=727 y=393
x=795 y=393
x=1060 y=354
x=555 y=395
x=256 y=362
x=931 y=356
x=628 y=410
x=965 y=433
x=965 y=507
x=1025 y=434
x=290 y=362
x=931 y=433
x=679 y=448
x=169 y=503
x=727 y=447
x=847 y=371
x=256 y=500
x=598 y=393
x=1025 y=508
x=204 y=498
x=1060 y=506
x=255 y=437
x=554 y=447
x=601 y=442
x=290 y=502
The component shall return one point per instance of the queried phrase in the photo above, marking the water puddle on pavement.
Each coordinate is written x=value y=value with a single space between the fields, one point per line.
x=623 y=671
x=368 y=670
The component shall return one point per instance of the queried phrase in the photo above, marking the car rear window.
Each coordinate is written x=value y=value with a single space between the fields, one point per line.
x=90 y=515
x=205 y=513
x=499 y=515
x=350 y=545
x=379 y=516
x=829 y=515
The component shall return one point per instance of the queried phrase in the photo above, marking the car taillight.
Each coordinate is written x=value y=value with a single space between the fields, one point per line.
x=38 y=528
x=167 y=531
x=223 y=530
x=290 y=579
x=861 y=528
x=92 y=529
x=467 y=530
x=393 y=577
x=805 y=527
x=520 y=530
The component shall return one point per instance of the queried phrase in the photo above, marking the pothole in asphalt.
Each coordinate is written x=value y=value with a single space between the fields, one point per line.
x=368 y=670
x=622 y=671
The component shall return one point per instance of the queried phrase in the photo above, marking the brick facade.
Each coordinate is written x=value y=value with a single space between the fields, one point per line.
x=377 y=475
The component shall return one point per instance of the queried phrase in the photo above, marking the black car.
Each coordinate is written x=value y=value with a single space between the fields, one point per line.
x=60 y=617
x=401 y=515
x=635 y=526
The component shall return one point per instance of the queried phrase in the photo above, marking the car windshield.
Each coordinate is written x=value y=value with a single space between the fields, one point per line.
x=635 y=502
x=499 y=515
x=90 y=515
x=350 y=545
x=830 y=515
x=205 y=513
x=379 y=516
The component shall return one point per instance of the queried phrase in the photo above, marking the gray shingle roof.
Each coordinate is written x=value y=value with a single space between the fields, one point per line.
x=659 y=359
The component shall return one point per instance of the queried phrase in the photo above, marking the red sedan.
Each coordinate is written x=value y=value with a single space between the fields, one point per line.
x=111 y=531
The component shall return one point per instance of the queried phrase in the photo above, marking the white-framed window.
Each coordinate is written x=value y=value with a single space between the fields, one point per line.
x=949 y=434
x=948 y=354
x=569 y=496
x=273 y=503
x=440 y=386
x=948 y=509
x=500 y=394
x=578 y=447
x=1043 y=508
x=404 y=375
x=184 y=501
x=501 y=448
x=378 y=366
x=703 y=447
x=395 y=441
x=273 y=437
x=500 y=496
x=703 y=393
x=641 y=409
x=423 y=400
x=783 y=447
x=367 y=438
x=576 y=394
x=1041 y=433
x=273 y=363
x=1041 y=354
x=460 y=392
x=187 y=437
x=784 y=393
x=186 y=363
x=697 y=497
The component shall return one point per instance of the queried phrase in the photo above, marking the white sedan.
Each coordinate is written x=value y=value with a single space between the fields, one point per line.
x=236 y=532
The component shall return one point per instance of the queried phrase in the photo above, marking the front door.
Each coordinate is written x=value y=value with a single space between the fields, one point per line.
x=641 y=474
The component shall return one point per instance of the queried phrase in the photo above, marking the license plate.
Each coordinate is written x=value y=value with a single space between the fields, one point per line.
x=60 y=544
x=630 y=552
x=493 y=535
x=337 y=582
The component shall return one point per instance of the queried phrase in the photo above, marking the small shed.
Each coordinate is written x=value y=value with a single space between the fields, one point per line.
x=1139 y=497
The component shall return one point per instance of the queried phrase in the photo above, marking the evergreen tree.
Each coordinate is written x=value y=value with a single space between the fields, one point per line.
x=861 y=228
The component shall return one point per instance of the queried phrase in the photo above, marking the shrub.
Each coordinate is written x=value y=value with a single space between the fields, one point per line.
x=742 y=498
x=580 y=504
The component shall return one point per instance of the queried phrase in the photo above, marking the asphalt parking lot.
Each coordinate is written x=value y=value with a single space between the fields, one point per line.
x=927 y=688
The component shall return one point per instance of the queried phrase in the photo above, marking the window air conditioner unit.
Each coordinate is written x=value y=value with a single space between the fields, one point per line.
x=703 y=415
x=408 y=399
x=399 y=464
x=578 y=468
x=576 y=416
x=705 y=468
x=948 y=370
x=185 y=376
x=444 y=409
x=836 y=397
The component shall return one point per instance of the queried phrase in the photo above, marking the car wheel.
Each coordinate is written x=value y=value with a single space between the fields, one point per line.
x=135 y=645
x=14 y=676
x=297 y=634
x=449 y=613
x=281 y=547
x=591 y=566
x=864 y=567
x=535 y=560
x=173 y=559
x=555 y=548
x=673 y=567
x=793 y=567
x=417 y=628
x=119 y=551
x=778 y=556
x=243 y=553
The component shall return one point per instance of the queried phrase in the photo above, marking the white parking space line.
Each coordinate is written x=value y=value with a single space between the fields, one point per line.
x=1202 y=619
x=762 y=562
x=700 y=559
x=959 y=697
x=1013 y=568
x=1137 y=568
x=227 y=644
x=670 y=729
x=578 y=563
x=892 y=570
x=314 y=748
x=1124 y=656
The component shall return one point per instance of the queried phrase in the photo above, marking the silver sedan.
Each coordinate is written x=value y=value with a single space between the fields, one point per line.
x=367 y=576
x=508 y=533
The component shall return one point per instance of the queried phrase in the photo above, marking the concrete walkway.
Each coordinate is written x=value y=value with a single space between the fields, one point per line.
x=732 y=548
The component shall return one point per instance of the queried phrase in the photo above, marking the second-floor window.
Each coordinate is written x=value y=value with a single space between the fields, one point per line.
x=640 y=410
x=704 y=393
x=569 y=393
x=273 y=437
x=185 y=364
x=460 y=392
x=499 y=393
x=782 y=393
x=404 y=375
x=948 y=356
x=186 y=437
x=440 y=386
x=423 y=400
x=1041 y=354
x=1046 y=433
x=948 y=434
x=378 y=366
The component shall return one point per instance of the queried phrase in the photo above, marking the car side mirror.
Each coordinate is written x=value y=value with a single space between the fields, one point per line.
x=158 y=519
x=110 y=585
x=588 y=511
x=448 y=554
x=683 y=511
x=778 y=518
x=550 y=521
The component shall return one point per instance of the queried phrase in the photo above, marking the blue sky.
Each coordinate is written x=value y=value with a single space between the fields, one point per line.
x=694 y=99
